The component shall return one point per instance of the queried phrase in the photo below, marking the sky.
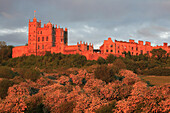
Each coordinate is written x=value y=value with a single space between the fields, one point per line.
x=92 y=21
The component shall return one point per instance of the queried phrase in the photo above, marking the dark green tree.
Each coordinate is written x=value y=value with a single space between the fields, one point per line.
x=105 y=73
x=158 y=53
x=101 y=60
x=111 y=58
x=5 y=51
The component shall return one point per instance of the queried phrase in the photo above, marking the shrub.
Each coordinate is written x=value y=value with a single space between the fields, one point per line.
x=66 y=107
x=104 y=73
x=6 y=72
x=119 y=64
x=107 y=108
x=31 y=74
x=101 y=60
x=111 y=58
x=34 y=104
x=4 y=85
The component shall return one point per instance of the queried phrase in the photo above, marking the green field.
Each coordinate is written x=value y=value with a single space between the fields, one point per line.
x=157 y=80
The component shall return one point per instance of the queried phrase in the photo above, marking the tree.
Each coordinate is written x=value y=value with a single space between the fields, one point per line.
x=158 y=53
x=5 y=51
x=101 y=60
x=110 y=58
x=105 y=73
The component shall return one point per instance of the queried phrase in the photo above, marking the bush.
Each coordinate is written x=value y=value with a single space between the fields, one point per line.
x=6 y=72
x=107 y=108
x=35 y=105
x=104 y=73
x=4 y=85
x=119 y=64
x=101 y=60
x=66 y=107
x=31 y=74
x=111 y=58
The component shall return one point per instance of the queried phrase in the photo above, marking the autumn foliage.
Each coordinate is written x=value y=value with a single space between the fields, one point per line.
x=81 y=91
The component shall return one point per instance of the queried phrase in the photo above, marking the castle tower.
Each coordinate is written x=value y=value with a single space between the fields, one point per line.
x=32 y=35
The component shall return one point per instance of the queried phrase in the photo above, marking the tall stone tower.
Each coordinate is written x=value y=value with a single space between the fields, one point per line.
x=32 y=36
x=42 y=39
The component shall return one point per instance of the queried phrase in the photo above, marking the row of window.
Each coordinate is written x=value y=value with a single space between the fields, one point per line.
x=39 y=32
x=141 y=52
x=126 y=47
x=42 y=39
x=42 y=47
x=108 y=50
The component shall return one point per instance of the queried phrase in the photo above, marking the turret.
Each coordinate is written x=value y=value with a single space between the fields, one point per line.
x=165 y=44
x=131 y=41
x=148 y=43
x=65 y=29
x=140 y=42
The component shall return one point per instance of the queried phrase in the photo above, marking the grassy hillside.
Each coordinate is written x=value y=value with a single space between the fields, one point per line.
x=157 y=80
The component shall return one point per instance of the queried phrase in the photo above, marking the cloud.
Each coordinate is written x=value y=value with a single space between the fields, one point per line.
x=90 y=20
x=165 y=35
x=13 y=31
x=16 y=39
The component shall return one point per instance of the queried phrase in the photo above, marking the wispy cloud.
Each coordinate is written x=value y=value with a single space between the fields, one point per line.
x=11 y=31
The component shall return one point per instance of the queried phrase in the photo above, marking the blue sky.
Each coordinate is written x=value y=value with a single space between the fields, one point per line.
x=92 y=21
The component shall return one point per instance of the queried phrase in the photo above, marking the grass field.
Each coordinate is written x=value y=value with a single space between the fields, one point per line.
x=156 y=80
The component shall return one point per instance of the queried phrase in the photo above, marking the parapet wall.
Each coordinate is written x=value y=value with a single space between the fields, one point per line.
x=19 y=51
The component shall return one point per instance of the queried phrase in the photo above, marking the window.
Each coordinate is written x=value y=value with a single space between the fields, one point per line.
x=61 y=40
x=132 y=48
x=118 y=51
x=38 y=39
x=107 y=50
x=42 y=38
x=38 y=32
x=111 y=50
x=147 y=52
x=136 y=53
x=42 y=46
x=38 y=47
x=41 y=32
x=47 y=38
x=118 y=47
x=141 y=52
x=132 y=53
x=136 y=48
x=111 y=45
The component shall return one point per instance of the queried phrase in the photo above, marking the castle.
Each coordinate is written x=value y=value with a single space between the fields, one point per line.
x=55 y=40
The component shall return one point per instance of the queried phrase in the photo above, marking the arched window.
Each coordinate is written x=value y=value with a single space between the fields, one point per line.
x=47 y=38
x=42 y=38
